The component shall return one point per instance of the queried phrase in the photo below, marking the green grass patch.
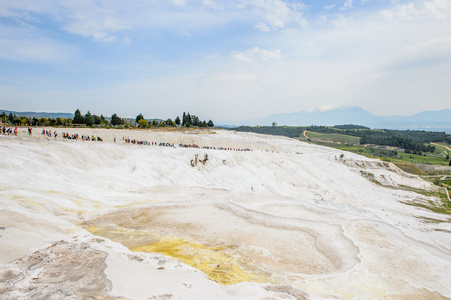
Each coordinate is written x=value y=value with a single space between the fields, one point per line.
x=426 y=159
x=411 y=168
x=443 y=206
x=430 y=205
x=397 y=157
x=432 y=220
x=333 y=137
x=440 y=147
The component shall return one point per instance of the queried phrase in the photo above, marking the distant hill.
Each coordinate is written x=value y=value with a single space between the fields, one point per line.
x=427 y=120
x=38 y=115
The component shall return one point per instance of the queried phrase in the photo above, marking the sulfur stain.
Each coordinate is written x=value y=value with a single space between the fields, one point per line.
x=213 y=261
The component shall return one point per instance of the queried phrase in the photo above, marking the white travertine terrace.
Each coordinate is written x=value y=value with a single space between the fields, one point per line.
x=288 y=220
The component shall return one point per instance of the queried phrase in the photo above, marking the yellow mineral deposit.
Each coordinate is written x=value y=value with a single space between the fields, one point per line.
x=213 y=261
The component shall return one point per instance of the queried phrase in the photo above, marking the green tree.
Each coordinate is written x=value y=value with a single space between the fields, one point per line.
x=59 y=121
x=78 y=118
x=196 y=121
x=11 y=117
x=184 y=119
x=88 y=119
x=115 y=120
x=169 y=122
x=204 y=124
x=143 y=123
x=210 y=123
x=139 y=117
x=97 y=119
x=177 y=121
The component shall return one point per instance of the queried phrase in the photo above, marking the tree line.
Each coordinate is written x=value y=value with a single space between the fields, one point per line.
x=89 y=119
x=16 y=120
x=292 y=132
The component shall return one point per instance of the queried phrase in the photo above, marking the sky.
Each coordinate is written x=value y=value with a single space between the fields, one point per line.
x=224 y=60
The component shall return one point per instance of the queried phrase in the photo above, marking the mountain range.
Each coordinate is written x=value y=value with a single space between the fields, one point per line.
x=32 y=114
x=427 y=120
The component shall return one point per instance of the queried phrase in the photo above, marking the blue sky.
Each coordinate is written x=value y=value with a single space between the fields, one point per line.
x=224 y=60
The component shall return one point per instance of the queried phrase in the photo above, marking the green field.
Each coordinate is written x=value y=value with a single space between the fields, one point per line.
x=388 y=155
x=333 y=137
x=351 y=143
x=441 y=148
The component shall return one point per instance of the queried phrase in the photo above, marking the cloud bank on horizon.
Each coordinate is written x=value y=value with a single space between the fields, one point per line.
x=225 y=60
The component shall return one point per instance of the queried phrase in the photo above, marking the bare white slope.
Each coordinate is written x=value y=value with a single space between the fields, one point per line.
x=330 y=226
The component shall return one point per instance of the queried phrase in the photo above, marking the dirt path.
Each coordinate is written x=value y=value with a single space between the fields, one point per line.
x=442 y=146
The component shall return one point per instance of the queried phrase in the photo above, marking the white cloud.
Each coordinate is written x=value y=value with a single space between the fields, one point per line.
x=404 y=12
x=33 y=50
x=341 y=21
x=440 y=9
x=179 y=2
x=422 y=55
x=108 y=21
x=329 y=6
x=257 y=53
x=347 y=4
x=277 y=14
x=212 y=4
x=98 y=21
x=435 y=9
x=185 y=33
x=328 y=107
x=20 y=45
x=92 y=19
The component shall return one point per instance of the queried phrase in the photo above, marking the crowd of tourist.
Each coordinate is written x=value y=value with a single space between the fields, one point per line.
x=9 y=131
x=194 y=146
x=76 y=136
x=47 y=133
